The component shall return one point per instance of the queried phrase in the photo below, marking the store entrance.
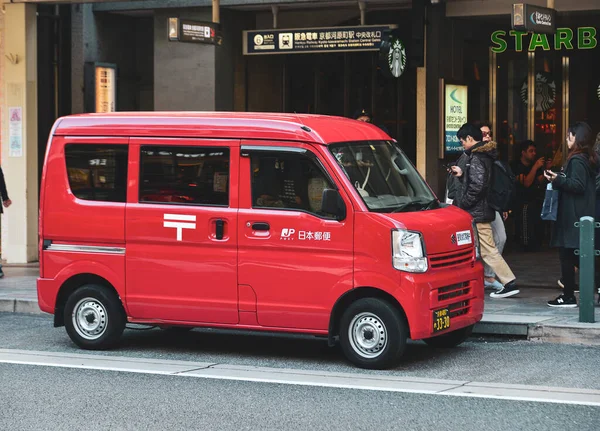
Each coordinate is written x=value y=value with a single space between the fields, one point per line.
x=544 y=79
x=538 y=88
x=335 y=84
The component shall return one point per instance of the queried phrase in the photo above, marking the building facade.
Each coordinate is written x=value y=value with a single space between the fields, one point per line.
x=459 y=60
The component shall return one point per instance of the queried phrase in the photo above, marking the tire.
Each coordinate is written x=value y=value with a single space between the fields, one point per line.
x=451 y=339
x=373 y=334
x=94 y=317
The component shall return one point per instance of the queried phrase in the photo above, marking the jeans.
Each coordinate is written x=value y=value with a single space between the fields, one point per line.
x=490 y=254
x=499 y=233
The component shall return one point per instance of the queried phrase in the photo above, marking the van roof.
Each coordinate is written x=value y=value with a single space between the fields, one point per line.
x=319 y=129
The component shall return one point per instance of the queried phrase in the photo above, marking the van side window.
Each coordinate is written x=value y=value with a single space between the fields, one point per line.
x=184 y=175
x=288 y=181
x=97 y=172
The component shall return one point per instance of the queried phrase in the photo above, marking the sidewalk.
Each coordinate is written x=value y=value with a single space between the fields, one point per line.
x=526 y=315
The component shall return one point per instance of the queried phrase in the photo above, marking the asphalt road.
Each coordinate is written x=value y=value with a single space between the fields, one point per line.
x=496 y=361
x=34 y=397
x=43 y=398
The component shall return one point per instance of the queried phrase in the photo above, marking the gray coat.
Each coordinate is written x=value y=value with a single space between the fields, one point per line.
x=577 y=199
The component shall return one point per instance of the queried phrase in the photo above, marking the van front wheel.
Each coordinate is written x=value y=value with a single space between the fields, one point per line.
x=94 y=317
x=373 y=334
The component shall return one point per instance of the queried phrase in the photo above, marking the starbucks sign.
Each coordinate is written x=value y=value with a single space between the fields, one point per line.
x=393 y=56
x=545 y=91
x=397 y=58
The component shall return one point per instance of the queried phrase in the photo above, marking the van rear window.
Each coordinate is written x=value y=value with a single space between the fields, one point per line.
x=97 y=172
x=184 y=175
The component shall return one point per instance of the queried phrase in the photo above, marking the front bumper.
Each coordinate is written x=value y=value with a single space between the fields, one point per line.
x=458 y=290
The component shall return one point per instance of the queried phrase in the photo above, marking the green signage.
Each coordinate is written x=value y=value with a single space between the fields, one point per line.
x=564 y=38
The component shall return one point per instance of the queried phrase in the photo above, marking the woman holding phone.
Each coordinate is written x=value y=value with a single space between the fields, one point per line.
x=577 y=187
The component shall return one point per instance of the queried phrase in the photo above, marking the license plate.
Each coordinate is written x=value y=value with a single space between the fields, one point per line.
x=463 y=237
x=441 y=320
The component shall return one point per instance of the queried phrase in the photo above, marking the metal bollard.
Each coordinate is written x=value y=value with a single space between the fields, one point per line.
x=587 y=254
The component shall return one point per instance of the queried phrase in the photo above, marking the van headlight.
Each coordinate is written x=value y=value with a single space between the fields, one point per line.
x=408 y=252
x=476 y=240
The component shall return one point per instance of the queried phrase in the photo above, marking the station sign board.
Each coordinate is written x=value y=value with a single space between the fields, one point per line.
x=185 y=30
x=315 y=40
x=531 y=18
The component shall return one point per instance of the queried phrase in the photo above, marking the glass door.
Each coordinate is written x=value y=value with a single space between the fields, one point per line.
x=509 y=88
x=519 y=78
x=548 y=112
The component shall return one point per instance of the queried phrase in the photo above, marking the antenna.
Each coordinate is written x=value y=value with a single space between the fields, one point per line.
x=303 y=127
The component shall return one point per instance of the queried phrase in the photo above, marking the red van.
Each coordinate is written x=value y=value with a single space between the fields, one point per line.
x=271 y=222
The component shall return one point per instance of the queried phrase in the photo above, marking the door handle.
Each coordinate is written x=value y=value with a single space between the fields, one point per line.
x=219 y=227
x=261 y=226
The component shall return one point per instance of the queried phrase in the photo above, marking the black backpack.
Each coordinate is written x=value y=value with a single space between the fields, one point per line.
x=502 y=187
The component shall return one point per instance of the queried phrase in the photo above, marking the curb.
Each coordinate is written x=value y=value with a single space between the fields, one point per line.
x=28 y=306
x=566 y=334
x=21 y=265
x=579 y=333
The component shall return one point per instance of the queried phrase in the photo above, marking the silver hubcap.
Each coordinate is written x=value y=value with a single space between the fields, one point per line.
x=367 y=335
x=90 y=318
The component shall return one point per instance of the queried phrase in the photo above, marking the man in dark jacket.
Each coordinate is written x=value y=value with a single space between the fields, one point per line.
x=471 y=191
x=5 y=202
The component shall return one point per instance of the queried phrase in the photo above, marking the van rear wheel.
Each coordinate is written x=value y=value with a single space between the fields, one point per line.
x=94 y=317
x=451 y=339
x=373 y=334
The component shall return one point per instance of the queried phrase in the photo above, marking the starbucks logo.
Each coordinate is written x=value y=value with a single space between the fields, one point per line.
x=397 y=58
x=545 y=91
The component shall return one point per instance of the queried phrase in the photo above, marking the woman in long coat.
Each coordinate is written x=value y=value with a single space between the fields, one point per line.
x=577 y=186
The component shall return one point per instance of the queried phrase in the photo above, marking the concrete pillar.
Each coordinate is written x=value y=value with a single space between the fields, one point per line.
x=84 y=47
x=20 y=155
x=429 y=130
x=184 y=73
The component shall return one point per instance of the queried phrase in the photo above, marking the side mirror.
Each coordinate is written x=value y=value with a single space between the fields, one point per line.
x=333 y=204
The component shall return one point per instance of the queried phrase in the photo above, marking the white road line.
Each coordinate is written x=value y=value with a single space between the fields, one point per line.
x=357 y=381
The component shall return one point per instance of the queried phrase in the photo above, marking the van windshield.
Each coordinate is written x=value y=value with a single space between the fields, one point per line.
x=383 y=176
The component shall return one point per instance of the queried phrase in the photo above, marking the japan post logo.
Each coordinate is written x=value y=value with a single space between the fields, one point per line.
x=287 y=234
x=179 y=222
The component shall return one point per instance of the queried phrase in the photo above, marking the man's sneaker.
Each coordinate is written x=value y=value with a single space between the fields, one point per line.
x=564 y=302
x=562 y=285
x=509 y=289
x=496 y=285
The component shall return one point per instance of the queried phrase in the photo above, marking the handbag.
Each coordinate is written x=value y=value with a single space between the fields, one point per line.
x=550 y=205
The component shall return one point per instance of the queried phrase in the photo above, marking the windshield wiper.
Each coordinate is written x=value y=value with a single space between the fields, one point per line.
x=407 y=205
x=434 y=203
x=424 y=205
